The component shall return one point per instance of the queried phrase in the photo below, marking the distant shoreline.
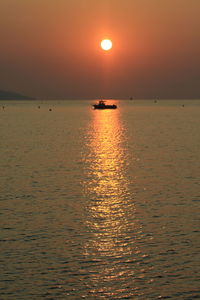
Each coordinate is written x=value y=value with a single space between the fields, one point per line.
x=96 y=99
x=13 y=96
x=8 y=95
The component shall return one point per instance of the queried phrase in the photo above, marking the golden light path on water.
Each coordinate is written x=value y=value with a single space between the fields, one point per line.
x=111 y=219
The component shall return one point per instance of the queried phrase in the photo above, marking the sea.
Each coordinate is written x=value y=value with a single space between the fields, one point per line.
x=100 y=204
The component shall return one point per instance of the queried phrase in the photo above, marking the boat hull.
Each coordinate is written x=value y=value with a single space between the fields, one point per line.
x=99 y=106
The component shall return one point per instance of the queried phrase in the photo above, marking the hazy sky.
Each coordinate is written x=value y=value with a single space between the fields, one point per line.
x=50 y=48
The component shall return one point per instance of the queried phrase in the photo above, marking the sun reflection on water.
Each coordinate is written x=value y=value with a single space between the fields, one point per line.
x=111 y=220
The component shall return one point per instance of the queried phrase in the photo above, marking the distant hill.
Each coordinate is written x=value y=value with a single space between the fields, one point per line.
x=7 y=95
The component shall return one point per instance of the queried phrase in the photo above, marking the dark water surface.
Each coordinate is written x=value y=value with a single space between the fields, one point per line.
x=100 y=204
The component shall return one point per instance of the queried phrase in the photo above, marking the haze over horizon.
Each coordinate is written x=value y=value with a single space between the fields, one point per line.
x=50 y=49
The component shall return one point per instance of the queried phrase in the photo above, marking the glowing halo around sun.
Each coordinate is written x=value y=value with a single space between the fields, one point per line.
x=106 y=44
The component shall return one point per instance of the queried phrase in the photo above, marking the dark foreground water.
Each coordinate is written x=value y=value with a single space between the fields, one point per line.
x=100 y=204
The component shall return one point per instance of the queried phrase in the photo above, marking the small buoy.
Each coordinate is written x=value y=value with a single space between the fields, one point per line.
x=50 y=109
x=183 y=105
x=38 y=106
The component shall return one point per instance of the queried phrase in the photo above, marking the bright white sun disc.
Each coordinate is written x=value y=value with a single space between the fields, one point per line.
x=106 y=44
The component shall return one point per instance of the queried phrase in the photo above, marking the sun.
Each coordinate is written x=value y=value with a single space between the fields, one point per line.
x=106 y=44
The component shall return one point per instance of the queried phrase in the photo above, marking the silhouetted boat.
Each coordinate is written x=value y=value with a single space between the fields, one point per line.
x=103 y=105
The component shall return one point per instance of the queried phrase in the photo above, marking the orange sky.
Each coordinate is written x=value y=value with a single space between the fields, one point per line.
x=50 y=49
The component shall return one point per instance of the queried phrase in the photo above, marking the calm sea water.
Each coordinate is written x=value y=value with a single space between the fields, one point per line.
x=100 y=204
